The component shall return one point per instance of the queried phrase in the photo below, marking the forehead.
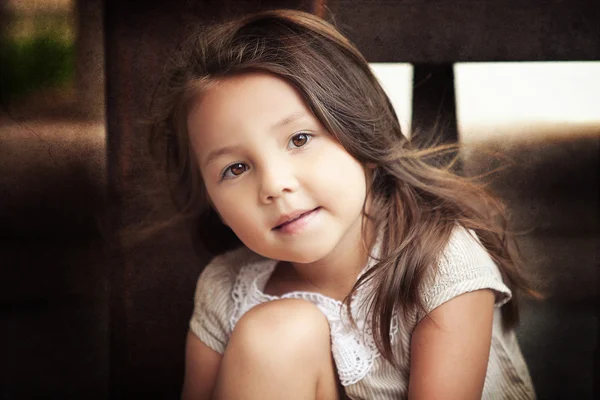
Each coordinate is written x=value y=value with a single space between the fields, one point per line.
x=243 y=103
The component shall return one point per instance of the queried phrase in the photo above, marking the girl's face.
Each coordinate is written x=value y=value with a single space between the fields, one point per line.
x=265 y=159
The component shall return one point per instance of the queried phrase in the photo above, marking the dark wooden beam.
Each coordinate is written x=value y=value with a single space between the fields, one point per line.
x=448 y=31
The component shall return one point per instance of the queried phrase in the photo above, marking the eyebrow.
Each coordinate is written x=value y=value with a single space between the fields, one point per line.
x=288 y=120
x=213 y=155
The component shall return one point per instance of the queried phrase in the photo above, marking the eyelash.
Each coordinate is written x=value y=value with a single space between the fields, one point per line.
x=309 y=137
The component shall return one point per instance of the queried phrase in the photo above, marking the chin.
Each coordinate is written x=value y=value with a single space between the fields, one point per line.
x=295 y=251
x=300 y=259
x=300 y=256
x=297 y=257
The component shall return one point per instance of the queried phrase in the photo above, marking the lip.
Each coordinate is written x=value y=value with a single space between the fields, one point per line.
x=294 y=219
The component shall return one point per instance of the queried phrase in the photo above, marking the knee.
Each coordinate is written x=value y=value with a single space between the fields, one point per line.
x=290 y=327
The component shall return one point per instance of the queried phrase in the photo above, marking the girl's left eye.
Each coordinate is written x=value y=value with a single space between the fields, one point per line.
x=299 y=140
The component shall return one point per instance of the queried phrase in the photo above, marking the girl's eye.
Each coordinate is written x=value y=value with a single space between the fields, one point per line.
x=234 y=170
x=299 y=140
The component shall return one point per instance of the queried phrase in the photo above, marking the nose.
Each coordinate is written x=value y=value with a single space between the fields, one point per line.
x=276 y=181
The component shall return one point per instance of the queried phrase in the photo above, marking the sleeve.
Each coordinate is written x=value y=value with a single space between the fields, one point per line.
x=213 y=303
x=465 y=266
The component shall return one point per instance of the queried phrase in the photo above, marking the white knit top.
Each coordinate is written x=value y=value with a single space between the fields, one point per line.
x=233 y=283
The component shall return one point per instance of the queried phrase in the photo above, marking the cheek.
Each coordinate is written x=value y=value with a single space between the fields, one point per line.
x=339 y=177
x=232 y=206
x=227 y=206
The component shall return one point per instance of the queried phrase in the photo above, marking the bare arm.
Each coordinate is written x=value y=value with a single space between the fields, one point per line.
x=450 y=350
x=201 y=368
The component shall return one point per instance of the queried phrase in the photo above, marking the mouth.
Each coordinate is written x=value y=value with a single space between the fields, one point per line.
x=294 y=217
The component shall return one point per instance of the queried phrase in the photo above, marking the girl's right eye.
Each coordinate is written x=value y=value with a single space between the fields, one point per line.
x=234 y=170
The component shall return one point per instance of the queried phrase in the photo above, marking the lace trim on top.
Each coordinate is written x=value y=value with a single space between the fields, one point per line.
x=354 y=351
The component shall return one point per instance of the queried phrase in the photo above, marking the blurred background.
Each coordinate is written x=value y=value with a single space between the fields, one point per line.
x=517 y=83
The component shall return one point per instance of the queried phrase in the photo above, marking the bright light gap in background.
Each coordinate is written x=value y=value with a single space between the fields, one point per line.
x=508 y=98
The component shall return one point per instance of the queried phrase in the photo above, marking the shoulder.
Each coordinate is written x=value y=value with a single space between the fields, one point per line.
x=213 y=301
x=463 y=266
x=223 y=269
x=218 y=277
x=464 y=256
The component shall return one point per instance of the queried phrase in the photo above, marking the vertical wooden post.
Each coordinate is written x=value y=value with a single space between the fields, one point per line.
x=434 y=105
x=89 y=65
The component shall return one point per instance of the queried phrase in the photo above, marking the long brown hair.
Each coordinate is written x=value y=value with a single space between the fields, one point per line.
x=415 y=203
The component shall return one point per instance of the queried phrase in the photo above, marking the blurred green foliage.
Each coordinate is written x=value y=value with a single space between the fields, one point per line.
x=31 y=63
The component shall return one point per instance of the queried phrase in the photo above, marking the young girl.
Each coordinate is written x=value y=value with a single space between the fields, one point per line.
x=357 y=268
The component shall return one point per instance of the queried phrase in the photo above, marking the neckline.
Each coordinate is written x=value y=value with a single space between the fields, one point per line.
x=259 y=282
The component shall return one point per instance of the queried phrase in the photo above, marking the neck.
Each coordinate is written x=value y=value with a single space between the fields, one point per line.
x=336 y=274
